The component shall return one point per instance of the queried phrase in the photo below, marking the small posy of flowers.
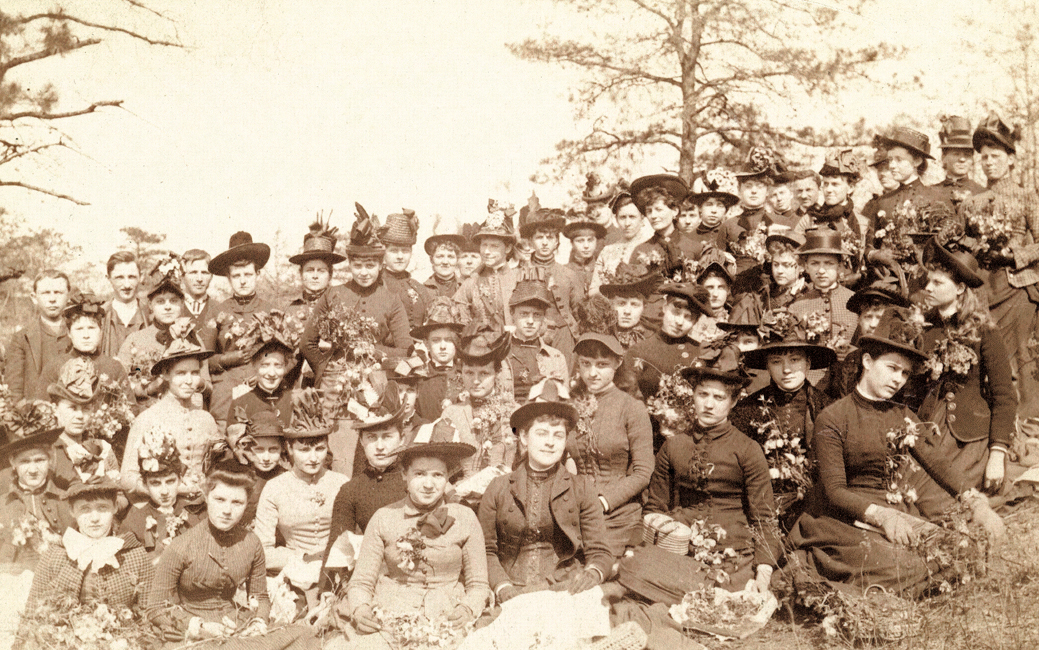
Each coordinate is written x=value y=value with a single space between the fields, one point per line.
x=33 y=533
x=491 y=428
x=991 y=228
x=820 y=330
x=175 y=525
x=411 y=547
x=231 y=331
x=894 y=231
x=74 y=626
x=672 y=406
x=351 y=334
x=951 y=358
x=158 y=446
x=900 y=440
x=413 y=630
x=112 y=412
x=586 y=405
x=705 y=545
x=788 y=463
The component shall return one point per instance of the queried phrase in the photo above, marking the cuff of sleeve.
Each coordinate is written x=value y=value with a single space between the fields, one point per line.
x=497 y=590
x=602 y=576
x=998 y=446
x=605 y=503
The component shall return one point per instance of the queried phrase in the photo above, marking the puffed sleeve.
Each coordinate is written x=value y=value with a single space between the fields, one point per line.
x=639 y=433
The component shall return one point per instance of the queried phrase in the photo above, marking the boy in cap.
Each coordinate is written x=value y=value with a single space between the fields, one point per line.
x=530 y=358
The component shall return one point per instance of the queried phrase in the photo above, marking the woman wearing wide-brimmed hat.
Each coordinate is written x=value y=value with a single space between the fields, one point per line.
x=862 y=527
x=658 y=198
x=444 y=249
x=229 y=366
x=316 y=264
x=76 y=456
x=365 y=295
x=420 y=555
x=967 y=389
x=180 y=367
x=712 y=475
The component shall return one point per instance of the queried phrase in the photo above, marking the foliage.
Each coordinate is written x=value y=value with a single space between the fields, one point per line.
x=694 y=77
x=787 y=455
x=143 y=244
x=73 y=626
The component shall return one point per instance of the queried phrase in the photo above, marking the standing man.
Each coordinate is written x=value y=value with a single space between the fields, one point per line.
x=125 y=312
x=806 y=186
x=230 y=367
x=958 y=159
x=399 y=235
x=195 y=267
x=43 y=339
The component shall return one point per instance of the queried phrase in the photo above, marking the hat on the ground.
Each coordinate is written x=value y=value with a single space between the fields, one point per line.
x=442 y=312
x=547 y=397
x=498 y=223
x=29 y=424
x=240 y=249
x=718 y=184
x=961 y=264
x=955 y=133
x=77 y=381
x=529 y=292
x=899 y=332
x=843 y=162
x=993 y=130
x=674 y=186
x=781 y=331
x=364 y=240
x=319 y=244
x=400 y=229
x=630 y=279
x=911 y=139
x=721 y=363
x=823 y=241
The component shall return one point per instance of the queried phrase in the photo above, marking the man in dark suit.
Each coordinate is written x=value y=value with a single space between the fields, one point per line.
x=43 y=338
x=195 y=265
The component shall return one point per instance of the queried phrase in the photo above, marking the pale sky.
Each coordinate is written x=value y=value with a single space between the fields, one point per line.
x=281 y=108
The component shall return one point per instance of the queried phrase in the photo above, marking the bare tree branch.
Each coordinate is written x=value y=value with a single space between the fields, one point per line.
x=63 y=17
x=43 y=115
x=43 y=54
x=34 y=188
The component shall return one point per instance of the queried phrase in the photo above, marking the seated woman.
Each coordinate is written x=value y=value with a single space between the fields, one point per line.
x=543 y=526
x=271 y=362
x=716 y=479
x=781 y=417
x=166 y=513
x=192 y=596
x=76 y=457
x=90 y=566
x=612 y=444
x=851 y=446
x=298 y=503
x=258 y=441
x=419 y=555
x=439 y=333
x=178 y=410
x=628 y=289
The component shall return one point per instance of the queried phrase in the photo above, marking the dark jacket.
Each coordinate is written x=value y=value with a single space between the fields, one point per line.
x=154 y=538
x=797 y=411
x=27 y=356
x=414 y=295
x=48 y=504
x=580 y=529
x=915 y=192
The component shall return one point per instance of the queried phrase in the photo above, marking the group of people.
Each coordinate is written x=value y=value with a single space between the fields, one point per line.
x=726 y=384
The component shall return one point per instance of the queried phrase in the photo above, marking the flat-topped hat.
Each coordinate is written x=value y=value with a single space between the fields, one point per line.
x=319 y=244
x=480 y=349
x=95 y=485
x=993 y=130
x=630 y=279
x=674 y=186
x=693 y=294
x=28 y=424
x=955 y=133
x=717 y=183
x=898 y=331
x=547 y=397
x=184 y=345
x=911 y=139
x=83 y=303
x=530 y=292
x=721 y=363
x=961 y=264
x=77 y=381
x=823 y=241
x=843 y=162
x=240 y=248
x=596 y=191
x=442 y=313
x=498 y=223
x=400 y=229
x=310 y=418
x=780 y=331
x=364 y=240
x=445 y=231
x=761 y=162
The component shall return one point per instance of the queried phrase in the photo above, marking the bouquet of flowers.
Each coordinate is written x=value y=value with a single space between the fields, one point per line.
x=788 y=462
x=491 y=425
x=991 y=228
x=33 y=533
x=113 y=411
x=895 y=230
x=411 y=547
x=404 y=631
x=175 y=525
x=951 y=357
x=820 y=330
x=233 y=332
x=900 y=440
x=672 y=406
x=354 y=356
x=723 y=613
x=74 y=626
x=141 y=362
x=752 y=244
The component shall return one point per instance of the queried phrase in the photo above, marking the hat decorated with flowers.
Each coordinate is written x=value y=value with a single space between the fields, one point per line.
x=400 y=229
x=319 y=243
x=166 y=276
x=900 y=330
x=762 y=163
x=443 y=312
x=596 y=191
x=184 y=344
x=718 y=183
x=77 y=381
x=482 y=347
x=385 y=407
x=578 y=224
x=780 y=331
x=364 y=240
x=717 y=362
x=843 y=162
x=630 y=279
x=498 y=223
x=27 y=424
x=158 y=452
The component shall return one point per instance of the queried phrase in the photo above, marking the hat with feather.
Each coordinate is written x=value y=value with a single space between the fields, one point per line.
x=364 y=238
x=319 y=243
x=498 y=223
x=166 y=276
x=309 y=417
x=444 y=232
x=84 y=303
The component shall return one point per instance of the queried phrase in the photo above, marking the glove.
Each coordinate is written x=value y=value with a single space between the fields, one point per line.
x=897 y=528
x=508 y=592
x=583 y=581
x=761 y=581
x=365 y=621
x=460 y=616
x=983 y=515
x=995 y=470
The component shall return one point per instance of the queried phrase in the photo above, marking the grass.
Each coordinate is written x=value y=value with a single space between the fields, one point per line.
x=999 y=611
